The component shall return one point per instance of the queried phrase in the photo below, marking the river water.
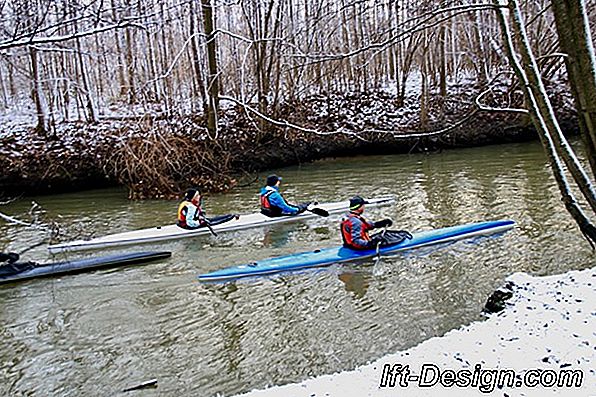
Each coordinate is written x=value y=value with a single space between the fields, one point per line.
x=100 y=332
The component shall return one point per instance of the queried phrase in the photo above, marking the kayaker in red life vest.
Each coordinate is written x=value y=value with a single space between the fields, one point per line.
x=273 y=204
x=191 y=216
x=354 y=229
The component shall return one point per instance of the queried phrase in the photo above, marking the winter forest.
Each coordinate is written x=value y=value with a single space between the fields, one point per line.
x=114 y=87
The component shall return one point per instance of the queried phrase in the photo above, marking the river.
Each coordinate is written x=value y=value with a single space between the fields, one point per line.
x=100 y=332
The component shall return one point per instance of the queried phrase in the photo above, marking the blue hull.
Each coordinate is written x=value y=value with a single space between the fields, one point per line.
x=329 y=256
x=82 y=265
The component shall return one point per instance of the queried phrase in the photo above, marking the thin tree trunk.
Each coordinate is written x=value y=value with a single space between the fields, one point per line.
x=41 y=105
x=130 y=61
x=443 y=63
x=196 y=59
x=561 y=145
x=424 y=85
x=576 y=41
x=119 y=58
x=91 y=109
x=3 y=88
x=539 y=120
x=212 y=79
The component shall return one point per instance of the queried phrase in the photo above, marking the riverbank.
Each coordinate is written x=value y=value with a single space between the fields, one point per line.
x=548 y=325
x=131 y=150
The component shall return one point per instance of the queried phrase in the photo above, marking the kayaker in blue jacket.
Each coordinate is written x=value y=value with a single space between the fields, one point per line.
x=273 y=204
x=192 y=216
x=355 y=229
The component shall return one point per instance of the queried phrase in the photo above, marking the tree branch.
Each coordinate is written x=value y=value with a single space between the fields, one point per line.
x=56 y=39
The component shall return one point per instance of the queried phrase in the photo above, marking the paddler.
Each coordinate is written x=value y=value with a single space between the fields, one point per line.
x=12 y=266
x=192 y=216
x=355 y=229
x=273 y=204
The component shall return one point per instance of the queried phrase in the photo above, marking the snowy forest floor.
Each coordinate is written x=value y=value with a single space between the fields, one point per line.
x=130 y=151
x=546 y=330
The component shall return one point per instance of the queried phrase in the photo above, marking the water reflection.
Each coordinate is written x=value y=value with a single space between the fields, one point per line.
x=355 y=282
x=277 y=236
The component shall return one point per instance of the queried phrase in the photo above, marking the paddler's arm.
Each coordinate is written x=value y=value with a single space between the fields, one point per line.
x=277 y=200
x=383 y=223
x=194 y=217
x=357 y=239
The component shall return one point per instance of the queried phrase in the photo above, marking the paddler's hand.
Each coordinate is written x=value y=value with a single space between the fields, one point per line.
x=236 y=216
x=383 y=223
x=302 y=207
x=406 y=234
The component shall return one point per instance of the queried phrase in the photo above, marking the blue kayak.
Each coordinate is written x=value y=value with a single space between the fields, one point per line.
x=330 y=256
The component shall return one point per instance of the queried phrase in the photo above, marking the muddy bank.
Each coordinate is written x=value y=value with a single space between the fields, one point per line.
x=157 y=157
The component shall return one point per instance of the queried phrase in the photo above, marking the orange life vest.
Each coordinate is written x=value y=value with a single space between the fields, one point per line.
x=266 y=207
x=347 y=228
x=265 y=204
x=182 y=211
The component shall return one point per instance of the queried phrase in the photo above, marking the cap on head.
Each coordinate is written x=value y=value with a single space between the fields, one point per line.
x=190 y=193
x=357 y=202
x=273 y=179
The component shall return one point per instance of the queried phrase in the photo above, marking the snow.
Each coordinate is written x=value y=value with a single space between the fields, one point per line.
x=549 y=324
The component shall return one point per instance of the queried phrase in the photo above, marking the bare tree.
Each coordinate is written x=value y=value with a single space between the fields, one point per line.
x=575 y=40
x=541 y=112
x=213 y=78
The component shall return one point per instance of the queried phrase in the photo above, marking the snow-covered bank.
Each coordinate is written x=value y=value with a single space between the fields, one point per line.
x=129 y=152
x=547 y=331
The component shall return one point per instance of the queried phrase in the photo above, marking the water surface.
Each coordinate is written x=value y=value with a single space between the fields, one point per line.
x=97 y=333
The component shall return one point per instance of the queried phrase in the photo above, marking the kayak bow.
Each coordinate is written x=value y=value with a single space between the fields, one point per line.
x=330 y=256
x=81 y=265
x=173 y=232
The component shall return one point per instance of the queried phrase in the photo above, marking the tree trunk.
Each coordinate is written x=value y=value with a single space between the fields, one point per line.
x=534 y=95
x=575 y=40
x=212 y=79
x=424 y=84
x=91 y=109
x=443 y=63
x=561 y=145
x=4 y=90
x=41 y=105
x=198 y=69
x=130 y=60
x=119 y=60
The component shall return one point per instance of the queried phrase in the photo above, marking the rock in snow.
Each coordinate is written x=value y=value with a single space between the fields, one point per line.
x=546 y=335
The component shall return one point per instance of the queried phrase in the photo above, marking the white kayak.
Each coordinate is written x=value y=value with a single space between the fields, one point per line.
x=173 y=232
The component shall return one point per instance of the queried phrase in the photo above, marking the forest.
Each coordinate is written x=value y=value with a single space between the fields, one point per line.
x=159 y=95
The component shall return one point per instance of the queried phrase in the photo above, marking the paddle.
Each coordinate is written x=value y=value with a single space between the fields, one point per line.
x=208 y=224
x=315 y=210
x=318 y=211
x=144 y=385
x=378 y=249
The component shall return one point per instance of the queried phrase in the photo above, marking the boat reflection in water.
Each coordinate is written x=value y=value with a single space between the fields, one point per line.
x=355 y=282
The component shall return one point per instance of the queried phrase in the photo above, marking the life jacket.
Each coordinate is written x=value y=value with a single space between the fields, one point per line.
x=266 y=207
x=182 y=212
x=346 y=230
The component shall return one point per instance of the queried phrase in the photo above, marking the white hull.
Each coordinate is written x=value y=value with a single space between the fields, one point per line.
x=173 y=232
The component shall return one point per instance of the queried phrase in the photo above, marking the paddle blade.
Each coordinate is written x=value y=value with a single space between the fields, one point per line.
x=319 y=212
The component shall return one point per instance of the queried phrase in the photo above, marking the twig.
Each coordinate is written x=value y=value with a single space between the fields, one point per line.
x=10 y=219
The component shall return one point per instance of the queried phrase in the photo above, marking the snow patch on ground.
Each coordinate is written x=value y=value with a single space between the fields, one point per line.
x=549 y=324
